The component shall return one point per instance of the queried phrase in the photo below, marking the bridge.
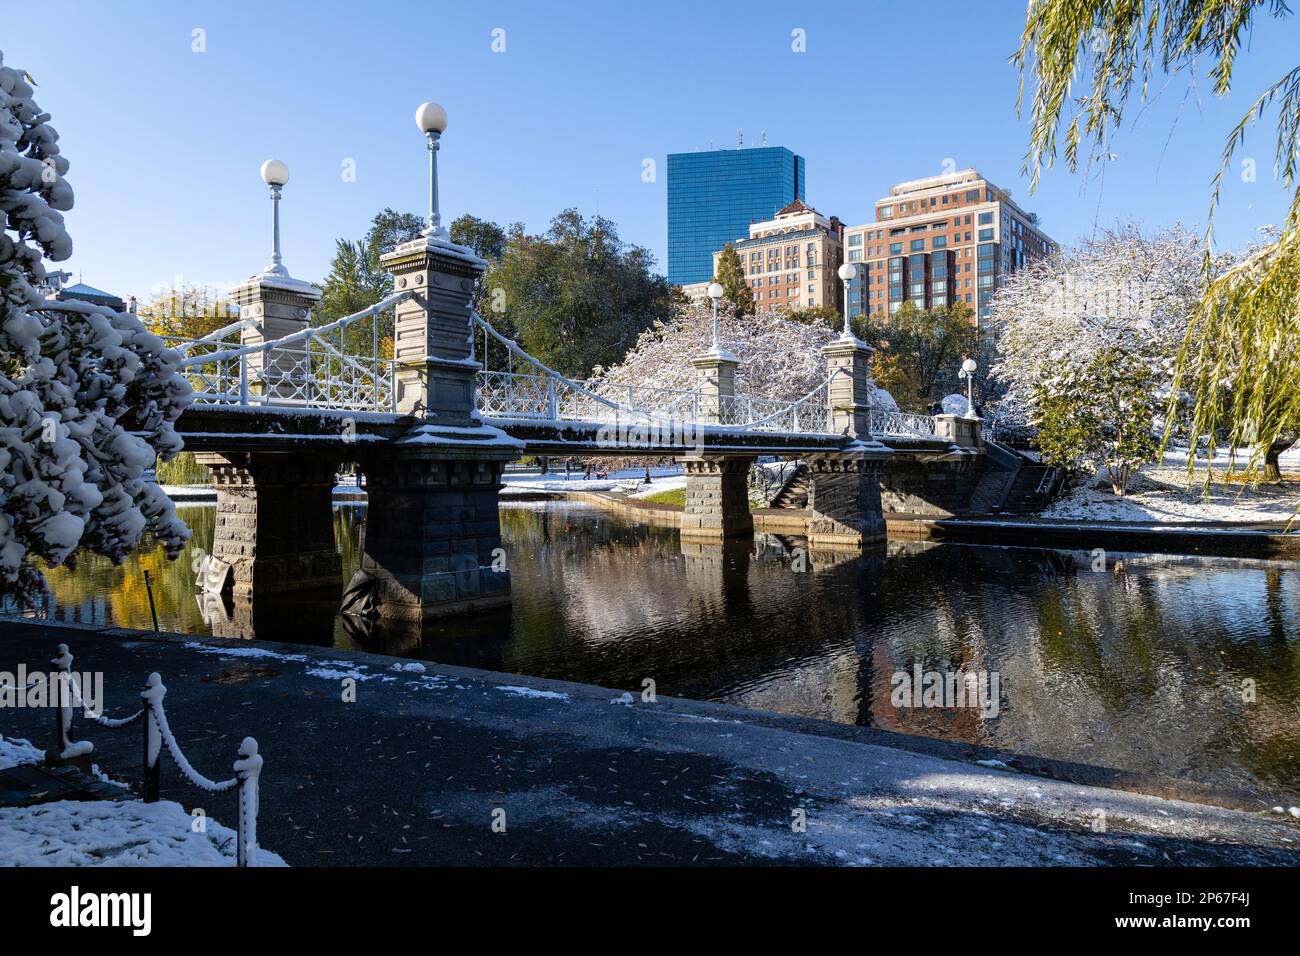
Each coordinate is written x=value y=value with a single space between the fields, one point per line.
x=276 y=414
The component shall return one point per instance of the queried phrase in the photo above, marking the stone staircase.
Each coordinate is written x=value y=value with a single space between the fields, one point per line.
x=793 y=494
x=1035 y=486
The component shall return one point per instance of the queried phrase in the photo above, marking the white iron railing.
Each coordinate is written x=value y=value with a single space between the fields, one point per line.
x=320 y=367
x=311 y=368
x=900 y=424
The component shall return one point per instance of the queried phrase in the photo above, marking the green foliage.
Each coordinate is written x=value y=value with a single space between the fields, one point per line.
x=731 y=276
x=919 y=351
x=576 y=296
x=182 y=470
x=1102 y=415
x=356 y=281
x=486 y=238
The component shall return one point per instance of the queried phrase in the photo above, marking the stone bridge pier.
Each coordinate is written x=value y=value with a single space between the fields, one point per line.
x=844 y=486
x=275 y=520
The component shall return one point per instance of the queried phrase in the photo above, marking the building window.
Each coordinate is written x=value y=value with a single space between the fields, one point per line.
x=986 y=218
x=939 y=242
x=886 y=212
x=918 y=245
x=855 y=240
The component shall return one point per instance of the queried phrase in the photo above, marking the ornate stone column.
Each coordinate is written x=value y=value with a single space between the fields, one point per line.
x=432 y=339
x=275 y=521
x=717 y=497
x=280 y=306
x=850 y=391
x=717 y=386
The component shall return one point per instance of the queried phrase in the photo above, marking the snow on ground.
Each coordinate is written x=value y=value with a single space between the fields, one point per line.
x=1162 y=494
x=116 y=833
x=629 y=479
x=15 y=752
x=108 y=832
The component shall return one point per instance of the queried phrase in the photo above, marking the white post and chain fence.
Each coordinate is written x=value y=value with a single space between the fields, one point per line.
x=157 y=733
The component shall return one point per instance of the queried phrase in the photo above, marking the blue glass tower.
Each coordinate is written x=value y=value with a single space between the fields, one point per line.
x=713 y=197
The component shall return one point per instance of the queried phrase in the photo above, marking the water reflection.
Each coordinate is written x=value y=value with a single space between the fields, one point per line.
x=1142 y=666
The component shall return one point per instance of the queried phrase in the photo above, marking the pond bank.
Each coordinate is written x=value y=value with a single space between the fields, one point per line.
x=585 y=775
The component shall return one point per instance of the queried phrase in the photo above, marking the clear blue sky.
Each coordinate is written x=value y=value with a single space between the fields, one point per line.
x=165 y=143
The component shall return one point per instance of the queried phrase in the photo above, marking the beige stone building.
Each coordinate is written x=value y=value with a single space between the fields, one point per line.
x=790 y=260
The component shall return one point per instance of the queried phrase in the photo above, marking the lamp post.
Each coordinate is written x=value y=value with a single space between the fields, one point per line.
x=715 y=293
x=275 y=174
x=967 y=372
x=432 y=120
x=847 y=272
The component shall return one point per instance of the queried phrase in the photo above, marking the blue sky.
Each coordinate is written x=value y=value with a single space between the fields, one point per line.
x=165 y=143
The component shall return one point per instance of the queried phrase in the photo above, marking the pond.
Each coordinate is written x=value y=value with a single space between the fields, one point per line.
x=1186 y=667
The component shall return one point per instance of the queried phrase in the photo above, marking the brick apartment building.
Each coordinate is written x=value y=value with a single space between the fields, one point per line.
x=938 y=241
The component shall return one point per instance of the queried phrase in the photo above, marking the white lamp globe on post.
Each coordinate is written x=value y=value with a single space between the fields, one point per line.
x=847 y=273
x=275 y=174
x=432 y=120
x=967 y=372
x=715 y=293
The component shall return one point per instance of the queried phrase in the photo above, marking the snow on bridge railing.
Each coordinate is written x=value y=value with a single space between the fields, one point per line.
x=157 y=732
x=311 y=368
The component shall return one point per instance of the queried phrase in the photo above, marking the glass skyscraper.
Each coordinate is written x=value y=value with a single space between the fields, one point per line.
x=713 y=197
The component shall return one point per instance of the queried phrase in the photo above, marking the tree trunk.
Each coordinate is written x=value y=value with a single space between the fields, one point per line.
x=1272 y=463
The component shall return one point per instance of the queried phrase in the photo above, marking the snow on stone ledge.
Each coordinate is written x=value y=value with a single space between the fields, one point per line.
x=14 y=752
x=115 y=833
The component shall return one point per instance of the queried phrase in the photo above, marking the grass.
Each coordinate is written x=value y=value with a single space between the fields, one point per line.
x=674 y=496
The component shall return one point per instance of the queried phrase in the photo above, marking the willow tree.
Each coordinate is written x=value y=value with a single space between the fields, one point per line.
x=1239 y=364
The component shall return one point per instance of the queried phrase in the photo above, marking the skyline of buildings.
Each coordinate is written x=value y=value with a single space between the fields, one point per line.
x=935 y=241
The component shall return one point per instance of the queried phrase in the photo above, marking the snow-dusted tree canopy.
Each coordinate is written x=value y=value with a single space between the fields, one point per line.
x=87 y=395
x=1122 y=290
x=779 y=358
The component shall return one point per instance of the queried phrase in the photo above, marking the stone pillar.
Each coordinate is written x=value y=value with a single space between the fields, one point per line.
x=717 y=386
x=275 y=521
x=844 y=498
x=850 y=391
x=280 y=306
x=432 y=340
x=959 y=430
x=717 y=497
x=432 y=543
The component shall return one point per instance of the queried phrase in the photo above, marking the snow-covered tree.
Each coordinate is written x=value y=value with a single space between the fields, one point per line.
x=1121 y=290
x=87 y=395
x=779 y=358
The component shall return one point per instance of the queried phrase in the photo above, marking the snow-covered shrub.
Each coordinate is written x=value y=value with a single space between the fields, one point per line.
x=87 y=395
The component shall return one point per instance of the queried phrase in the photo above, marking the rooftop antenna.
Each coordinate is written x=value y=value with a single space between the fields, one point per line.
x=764 y=137
x=740 y=138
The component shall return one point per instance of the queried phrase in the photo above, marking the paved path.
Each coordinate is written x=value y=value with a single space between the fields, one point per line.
x=414 y=770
